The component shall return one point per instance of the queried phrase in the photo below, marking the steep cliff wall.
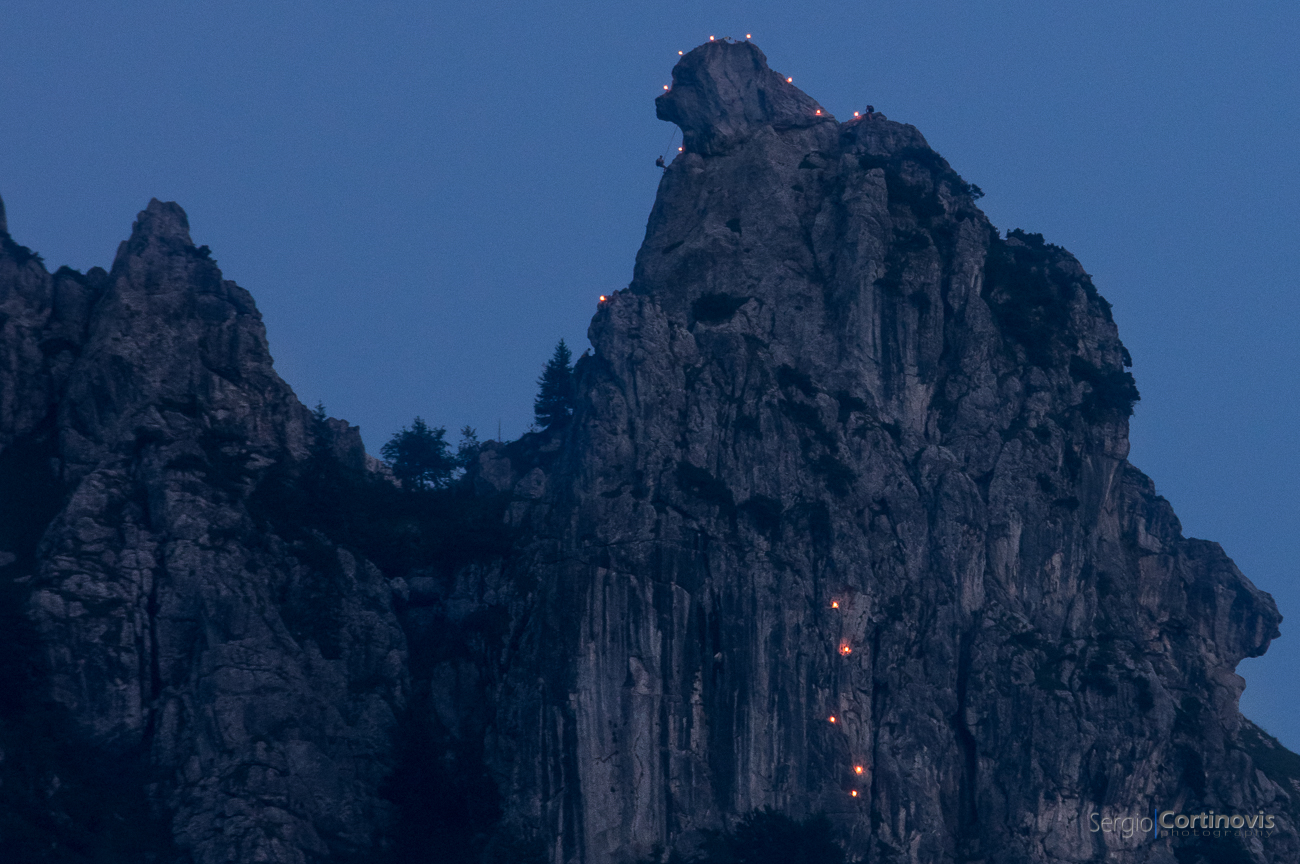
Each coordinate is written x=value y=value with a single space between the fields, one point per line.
x=843 y=522
x=843 y=451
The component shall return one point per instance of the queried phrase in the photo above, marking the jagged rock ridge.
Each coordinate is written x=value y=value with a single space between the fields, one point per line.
x=139 y=407
x=841 y=450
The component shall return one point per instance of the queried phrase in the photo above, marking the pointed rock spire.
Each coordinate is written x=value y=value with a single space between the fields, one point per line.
x=164 y=220
x=160 y=224
x=4 y=224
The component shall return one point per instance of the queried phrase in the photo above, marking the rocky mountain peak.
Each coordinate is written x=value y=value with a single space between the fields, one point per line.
x=723 y=93
x=4 y=224
x=842 y=521
x=144 y=413
x=162 y=225
x=163 y=220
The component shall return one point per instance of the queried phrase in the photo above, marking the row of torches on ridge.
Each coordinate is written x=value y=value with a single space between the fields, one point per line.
x=748 y=36
x=846 y=650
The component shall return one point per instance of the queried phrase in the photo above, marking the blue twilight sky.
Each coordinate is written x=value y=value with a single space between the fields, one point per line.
x=423 y=197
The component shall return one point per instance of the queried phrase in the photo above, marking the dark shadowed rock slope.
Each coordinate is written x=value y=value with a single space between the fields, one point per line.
x=841 y=451
x=164 y=697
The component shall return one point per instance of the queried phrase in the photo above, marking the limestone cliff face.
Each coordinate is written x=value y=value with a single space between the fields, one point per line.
x=843 y=522
x=843 y=451
x=138 y=408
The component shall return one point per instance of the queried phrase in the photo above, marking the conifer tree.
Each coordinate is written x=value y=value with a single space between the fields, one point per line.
x=554 y=404
x=420 y=456
x=469 y=447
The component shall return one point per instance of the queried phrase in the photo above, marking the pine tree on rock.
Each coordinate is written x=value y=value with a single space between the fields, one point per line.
x=469 y=447
x=420 y=456
x=554 y=404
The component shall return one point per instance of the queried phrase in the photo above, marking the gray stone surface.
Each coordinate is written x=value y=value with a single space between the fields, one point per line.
x=834 y=408
x=160 y=603
x=841 y=450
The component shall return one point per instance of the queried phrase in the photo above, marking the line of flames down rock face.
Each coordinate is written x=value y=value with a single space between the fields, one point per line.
x=842 y=522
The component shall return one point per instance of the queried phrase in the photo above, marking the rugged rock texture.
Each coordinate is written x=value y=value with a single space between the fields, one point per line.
x=138 y=408
x=842 y=451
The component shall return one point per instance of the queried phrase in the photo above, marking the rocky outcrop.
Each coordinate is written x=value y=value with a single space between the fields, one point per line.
x=140 y=408
x=846 y=487
x=842 y=522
